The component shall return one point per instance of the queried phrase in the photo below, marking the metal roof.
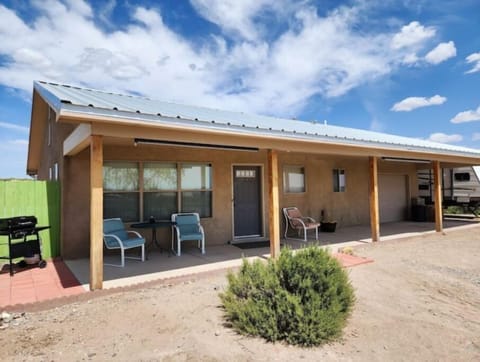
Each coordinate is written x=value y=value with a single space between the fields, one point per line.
x=127 y=107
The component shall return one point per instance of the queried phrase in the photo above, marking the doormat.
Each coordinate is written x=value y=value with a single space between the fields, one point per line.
x=253 y=244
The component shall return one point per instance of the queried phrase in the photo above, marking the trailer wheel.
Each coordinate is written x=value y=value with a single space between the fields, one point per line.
x=42 y=264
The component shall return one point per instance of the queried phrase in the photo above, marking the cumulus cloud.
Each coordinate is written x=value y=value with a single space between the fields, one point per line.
x=474 y=60
x=411 y=35
x=240 y=18
x=441 y=52
x=467 y=116
x=236 y=67
x=411 y=103
x=445 y=138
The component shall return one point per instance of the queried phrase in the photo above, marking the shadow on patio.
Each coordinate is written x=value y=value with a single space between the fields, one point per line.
x=163 y=265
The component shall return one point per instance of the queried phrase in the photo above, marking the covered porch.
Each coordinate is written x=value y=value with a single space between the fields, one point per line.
x=168 y=158
x=163 y=265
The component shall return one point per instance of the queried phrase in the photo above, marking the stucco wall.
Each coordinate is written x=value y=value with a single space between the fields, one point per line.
x=76 y=206
x=348 y=208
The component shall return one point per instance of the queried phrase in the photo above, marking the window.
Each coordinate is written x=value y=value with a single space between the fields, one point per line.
x=338 y=180
x=55 y=171
x=294 y=179
x=196 y=189
x=121 y=190
x=162 y=189
x=462 y=176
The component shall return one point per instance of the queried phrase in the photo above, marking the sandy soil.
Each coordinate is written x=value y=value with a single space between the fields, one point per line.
x=419 y=300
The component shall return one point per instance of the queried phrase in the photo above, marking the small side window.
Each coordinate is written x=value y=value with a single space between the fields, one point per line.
x=294 y=179
x=338 y=180
x=462 y=176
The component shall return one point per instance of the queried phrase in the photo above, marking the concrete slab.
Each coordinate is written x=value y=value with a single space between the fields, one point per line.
x=163 y=265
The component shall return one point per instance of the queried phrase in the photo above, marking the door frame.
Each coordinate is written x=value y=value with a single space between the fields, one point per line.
x=237 y=239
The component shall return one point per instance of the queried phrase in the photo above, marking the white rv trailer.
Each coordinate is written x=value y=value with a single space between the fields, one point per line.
x=460 y=185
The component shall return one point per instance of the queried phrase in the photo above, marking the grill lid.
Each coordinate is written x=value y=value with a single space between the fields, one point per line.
x=18 y=223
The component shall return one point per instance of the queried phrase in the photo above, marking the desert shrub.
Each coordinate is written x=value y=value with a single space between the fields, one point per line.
x=302 y=298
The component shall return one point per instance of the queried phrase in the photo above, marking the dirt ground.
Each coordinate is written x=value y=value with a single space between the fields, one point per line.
x=419 y=300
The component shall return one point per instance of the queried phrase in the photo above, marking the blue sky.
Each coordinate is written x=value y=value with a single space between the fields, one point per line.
x=409 y=67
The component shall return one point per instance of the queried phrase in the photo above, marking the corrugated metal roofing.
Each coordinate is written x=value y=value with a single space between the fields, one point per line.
x=95 y=102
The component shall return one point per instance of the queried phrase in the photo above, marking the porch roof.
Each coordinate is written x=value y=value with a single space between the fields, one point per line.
x=91 y=104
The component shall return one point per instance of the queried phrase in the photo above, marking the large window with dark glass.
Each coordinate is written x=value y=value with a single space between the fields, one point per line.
x=159 y=190
x=121 y=190
x=138 y=191
x=196 y=188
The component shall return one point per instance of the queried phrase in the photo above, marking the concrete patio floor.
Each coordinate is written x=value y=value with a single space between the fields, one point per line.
x=164 y=265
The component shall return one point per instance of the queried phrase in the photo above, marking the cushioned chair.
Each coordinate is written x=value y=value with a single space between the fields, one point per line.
x=187 y=227
x=295 y=221
x=116 y=237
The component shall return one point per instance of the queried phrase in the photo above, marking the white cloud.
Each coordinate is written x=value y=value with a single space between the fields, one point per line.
x=238 y=17
x=376 y=125
x=411 y=103
x=411 y=58
x=445 y=138
x=467 y=116
x=441 y=52
x=474 y=59
x=19 y=142
x=476 y=136
x=13 y=156
x=239 y=70
x=411 y=35
x=13 y=127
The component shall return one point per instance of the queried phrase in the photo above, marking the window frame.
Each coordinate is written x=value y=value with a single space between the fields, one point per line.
x=178 y=189
x=286 y=186
x=337 y=174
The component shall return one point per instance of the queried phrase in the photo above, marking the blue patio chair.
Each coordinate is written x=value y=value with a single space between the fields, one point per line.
x=116 y=237
x=186 y=226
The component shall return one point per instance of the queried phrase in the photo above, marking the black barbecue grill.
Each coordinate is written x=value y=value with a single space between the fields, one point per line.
x=23 y=238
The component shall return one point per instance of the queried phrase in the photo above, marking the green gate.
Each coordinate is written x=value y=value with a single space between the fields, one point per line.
x=36 y=198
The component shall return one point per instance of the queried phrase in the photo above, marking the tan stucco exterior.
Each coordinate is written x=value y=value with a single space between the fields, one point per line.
x=351 y=207
x=347 y=208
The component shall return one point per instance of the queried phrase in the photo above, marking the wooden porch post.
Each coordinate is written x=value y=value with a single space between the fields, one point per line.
x=437 y=177
x=96 y=212
x=374 y=212
x=274 y=212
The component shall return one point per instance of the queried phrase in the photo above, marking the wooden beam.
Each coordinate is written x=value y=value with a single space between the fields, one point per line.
x=437 y=179
x=273 y=200
x=96 y=212
x=78 y=140
x=374 y=211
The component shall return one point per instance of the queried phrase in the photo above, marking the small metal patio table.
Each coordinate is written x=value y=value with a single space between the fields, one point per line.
x=154 y=225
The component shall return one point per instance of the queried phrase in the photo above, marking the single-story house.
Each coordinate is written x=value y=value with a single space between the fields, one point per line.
x=133 y=157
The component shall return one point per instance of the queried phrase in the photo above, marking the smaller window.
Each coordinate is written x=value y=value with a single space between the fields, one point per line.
x=55 y=171
x=338 y=180
x=294 y=179
x=462 y=176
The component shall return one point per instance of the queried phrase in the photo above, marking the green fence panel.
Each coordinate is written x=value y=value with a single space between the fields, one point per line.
x=38 y=198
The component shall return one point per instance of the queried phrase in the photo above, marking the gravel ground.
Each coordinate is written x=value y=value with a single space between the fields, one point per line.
x=419 y=300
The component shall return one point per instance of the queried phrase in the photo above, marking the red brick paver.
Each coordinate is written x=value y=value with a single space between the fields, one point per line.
x=348 y=260
x=32 y=284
